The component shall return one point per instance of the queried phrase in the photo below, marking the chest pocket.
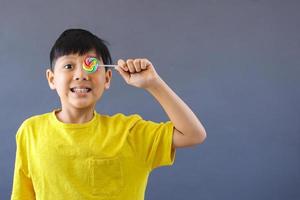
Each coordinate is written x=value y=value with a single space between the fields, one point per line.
x=106 y=176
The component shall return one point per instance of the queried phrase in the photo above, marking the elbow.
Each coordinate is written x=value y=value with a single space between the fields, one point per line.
x=201 y=137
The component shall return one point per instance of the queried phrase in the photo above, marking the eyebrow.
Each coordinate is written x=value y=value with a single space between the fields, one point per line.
x=66 y=61
x=71 y=56
x=67 y=57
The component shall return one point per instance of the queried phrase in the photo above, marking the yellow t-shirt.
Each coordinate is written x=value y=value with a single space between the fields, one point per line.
x=109 y=157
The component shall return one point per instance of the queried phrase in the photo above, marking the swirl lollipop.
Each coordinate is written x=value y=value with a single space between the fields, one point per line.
x=91 y=64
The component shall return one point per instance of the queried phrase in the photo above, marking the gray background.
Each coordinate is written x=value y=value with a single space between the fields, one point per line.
x=235 y=63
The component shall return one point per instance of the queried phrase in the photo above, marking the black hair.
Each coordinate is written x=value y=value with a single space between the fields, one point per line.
x=73 y=41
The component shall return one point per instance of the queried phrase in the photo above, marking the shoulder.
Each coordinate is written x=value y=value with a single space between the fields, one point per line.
x=36 y=119
x=121 y=119
x=121 y=116
x=136 y=121
x=33 y=123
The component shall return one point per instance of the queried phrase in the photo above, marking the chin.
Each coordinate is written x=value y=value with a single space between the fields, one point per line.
x=82 y=105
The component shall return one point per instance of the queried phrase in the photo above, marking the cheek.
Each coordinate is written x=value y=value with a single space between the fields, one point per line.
x=62 y=84
x=98 y=87
x=98 y=81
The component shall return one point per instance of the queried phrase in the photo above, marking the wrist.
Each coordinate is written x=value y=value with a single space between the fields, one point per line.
x=155 y=85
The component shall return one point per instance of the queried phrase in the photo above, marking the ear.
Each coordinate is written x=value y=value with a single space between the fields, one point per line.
x=50 y=78
x=108 y=76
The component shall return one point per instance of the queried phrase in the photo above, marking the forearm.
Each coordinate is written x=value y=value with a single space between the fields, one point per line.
x=178 y=112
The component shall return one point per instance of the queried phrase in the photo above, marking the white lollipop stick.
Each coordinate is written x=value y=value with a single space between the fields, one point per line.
x=113 y=66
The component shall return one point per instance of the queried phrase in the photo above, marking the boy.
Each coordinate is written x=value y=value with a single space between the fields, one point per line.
x=76 y=153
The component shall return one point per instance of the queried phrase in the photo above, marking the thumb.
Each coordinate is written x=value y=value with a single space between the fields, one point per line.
x=123 y=73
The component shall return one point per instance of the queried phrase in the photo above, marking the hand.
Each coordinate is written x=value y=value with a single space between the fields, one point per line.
x=137 y=72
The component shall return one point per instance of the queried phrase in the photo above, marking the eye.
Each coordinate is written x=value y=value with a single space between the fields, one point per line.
x=68 y=66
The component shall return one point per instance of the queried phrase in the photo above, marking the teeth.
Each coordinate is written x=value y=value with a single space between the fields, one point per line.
x=80 y=90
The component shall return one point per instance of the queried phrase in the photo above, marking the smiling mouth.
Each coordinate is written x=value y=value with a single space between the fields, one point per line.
x=80 y=90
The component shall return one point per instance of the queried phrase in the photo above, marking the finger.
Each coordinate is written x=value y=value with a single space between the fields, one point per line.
x=143 y=64
x=130 y=65
x=122 y=64
x=148 y=63
x=124 y=74
x=137 y=65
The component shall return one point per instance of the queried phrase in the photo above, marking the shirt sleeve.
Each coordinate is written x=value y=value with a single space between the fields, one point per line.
x=22 y=184
x=153 y=142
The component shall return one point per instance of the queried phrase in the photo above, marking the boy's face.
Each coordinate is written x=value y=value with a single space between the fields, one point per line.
x=76 y=88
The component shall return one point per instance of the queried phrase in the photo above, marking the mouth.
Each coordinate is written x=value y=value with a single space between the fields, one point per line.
x=80 y=90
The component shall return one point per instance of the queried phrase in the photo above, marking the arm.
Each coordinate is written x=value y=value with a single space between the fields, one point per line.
x=22 y=187
x=140 y=73
x=188 y=129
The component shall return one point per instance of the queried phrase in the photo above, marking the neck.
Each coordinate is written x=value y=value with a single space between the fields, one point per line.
x=75 y=116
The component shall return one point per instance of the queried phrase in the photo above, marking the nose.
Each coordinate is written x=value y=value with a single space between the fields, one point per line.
x=80 y=74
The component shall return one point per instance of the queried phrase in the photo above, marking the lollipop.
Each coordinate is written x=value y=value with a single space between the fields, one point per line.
x=91 y=64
